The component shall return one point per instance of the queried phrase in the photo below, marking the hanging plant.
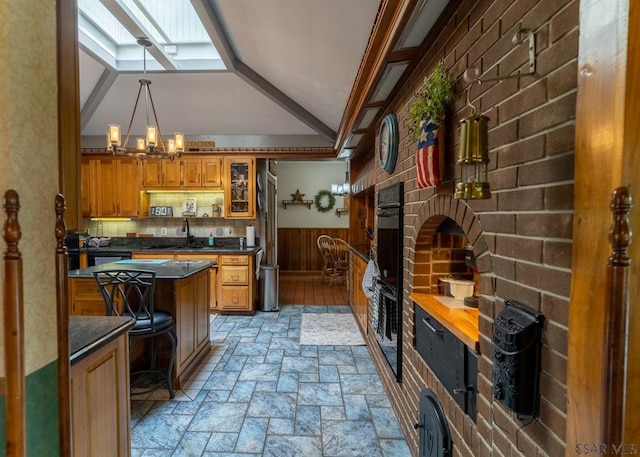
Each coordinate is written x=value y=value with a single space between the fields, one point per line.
x=436 y=92
x=318 y=201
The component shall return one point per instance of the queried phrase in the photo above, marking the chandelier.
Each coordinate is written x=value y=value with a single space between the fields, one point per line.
x=152 y=145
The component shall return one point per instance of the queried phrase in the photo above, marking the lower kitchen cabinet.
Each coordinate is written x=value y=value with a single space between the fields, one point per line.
x=213 y=273
x=236 y=289
x=100 y=412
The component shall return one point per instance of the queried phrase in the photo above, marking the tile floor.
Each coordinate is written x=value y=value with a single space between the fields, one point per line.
x=261 y=393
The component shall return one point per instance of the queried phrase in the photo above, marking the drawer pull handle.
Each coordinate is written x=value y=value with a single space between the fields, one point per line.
x=431 y=327
x=235 y=277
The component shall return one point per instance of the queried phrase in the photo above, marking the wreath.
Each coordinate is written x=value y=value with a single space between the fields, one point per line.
x=318 y=201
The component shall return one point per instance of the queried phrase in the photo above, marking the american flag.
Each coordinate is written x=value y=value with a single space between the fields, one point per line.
x=429 y=162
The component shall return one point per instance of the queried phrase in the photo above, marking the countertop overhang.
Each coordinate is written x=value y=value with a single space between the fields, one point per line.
x=171 y=269
x=87 y=334
x=462 y=322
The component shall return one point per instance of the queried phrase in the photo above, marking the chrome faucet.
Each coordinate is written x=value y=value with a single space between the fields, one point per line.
x=185 y=228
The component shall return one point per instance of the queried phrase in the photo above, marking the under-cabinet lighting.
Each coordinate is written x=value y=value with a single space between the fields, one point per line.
x=113 y=219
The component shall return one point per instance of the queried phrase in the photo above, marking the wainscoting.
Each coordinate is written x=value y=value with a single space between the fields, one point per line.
x=298 y=250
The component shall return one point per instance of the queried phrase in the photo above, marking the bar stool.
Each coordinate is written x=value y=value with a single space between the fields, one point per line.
x=132 y=293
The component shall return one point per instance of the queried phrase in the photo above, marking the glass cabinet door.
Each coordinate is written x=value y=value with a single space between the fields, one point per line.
x=239 y=187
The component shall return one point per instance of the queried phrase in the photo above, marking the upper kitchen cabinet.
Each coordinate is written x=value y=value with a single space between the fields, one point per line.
x=201 y=172
x=110 y=187
x=239 y=187
x=184 y=173
x=161 y=173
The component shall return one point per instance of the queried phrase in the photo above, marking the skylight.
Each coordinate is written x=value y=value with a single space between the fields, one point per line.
x=108 y=29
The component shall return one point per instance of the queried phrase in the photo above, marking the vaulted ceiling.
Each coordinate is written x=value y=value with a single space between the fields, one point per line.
x=282 y=74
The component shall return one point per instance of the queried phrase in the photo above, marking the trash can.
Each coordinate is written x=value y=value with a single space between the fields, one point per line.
x=268 y=293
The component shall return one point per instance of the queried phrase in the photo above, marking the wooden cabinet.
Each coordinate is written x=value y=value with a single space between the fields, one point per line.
x=213 y=271
x=100 y=411
x=85 y=298
x=185 y=173
x=359 y=300
x=239 y=187
x=161 y=173
x=236 y=289
x=110 y=187
x=212 y=172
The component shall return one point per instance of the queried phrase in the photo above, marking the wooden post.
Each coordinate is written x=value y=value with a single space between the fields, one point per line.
x=616 y=317
x=62 y=301
x=15 y=435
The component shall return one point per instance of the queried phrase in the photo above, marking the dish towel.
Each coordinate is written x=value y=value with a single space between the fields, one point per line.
x=258 y=262
x=369 y=278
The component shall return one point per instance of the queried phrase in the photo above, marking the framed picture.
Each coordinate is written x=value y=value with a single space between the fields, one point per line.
x=189 y=207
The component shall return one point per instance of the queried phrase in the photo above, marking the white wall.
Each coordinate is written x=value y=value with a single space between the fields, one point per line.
x=310 y=178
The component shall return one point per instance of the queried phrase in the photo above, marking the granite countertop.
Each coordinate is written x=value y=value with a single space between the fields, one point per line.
x=87 y=334
x=173 y=245
x=165 y=269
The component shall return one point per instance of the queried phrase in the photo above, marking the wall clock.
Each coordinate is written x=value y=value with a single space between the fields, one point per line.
x=388 y=143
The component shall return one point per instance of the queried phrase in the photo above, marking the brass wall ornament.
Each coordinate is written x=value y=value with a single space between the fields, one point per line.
x=473 y=156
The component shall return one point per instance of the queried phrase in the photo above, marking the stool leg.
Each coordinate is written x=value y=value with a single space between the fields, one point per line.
x=173 y=339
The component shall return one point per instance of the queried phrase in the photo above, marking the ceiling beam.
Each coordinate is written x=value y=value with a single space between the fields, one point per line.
x=126 y=17
x=211 y=23
x=283 y=100
x=98 y=93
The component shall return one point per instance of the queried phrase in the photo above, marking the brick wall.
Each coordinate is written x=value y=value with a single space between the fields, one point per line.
x=522 y=235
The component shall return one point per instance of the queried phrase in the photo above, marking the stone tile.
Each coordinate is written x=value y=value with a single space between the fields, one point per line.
x=221 y=380
x=310 y=393
x=217 y=396
x=260 y=372
x=281 y=426
x=270 y=404
x=236 y=363
x=395 y=448
x=250 y=348
x=356 y=408
x=159 y=431
x=333 y=413
x=293 y=446
x=288 y=382
x=336 y=358
x=349 y=439
x=242 y=392
x=219 y=417
x=222 y=442
x=252 y=435
x=329 y=373
x=386 y=423
x=274 y=356
x=361 y=383
x=300 y=364
x=266 y=386
x=192 y=444
x=307 y=420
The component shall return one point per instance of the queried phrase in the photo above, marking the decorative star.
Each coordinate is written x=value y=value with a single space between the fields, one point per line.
x=297 y=197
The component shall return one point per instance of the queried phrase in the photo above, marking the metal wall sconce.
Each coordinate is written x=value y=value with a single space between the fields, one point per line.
x=473 y=156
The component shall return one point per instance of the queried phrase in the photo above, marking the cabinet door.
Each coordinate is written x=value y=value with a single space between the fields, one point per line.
x=89 y=175
x=211 y=173
x=107 y=191
x=151 y=173
x=191 y=169
x=234 y=298
x=212 y=274
x=171 y=176
x=128 y=189
x=239 y=190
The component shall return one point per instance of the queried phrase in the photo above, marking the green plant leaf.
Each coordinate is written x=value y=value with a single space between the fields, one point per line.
x=436 y=92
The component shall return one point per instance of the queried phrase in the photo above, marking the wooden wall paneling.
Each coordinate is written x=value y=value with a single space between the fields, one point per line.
x=298 y=250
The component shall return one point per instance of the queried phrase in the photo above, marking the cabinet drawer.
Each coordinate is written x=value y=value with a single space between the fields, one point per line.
x=235 y=275
x=232 y=298
x=234 y=260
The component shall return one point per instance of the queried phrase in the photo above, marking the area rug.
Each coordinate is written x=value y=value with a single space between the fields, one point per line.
x=330 y=329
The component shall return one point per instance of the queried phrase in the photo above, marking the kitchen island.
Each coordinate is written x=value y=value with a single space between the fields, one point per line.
x=99 y=385
x=182 y=289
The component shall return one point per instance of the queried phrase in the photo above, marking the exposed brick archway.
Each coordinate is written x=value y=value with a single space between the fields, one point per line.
x=427 y=219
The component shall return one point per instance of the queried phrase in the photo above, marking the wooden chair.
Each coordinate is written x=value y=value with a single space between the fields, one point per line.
x=339 y=255
x=324 y=245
